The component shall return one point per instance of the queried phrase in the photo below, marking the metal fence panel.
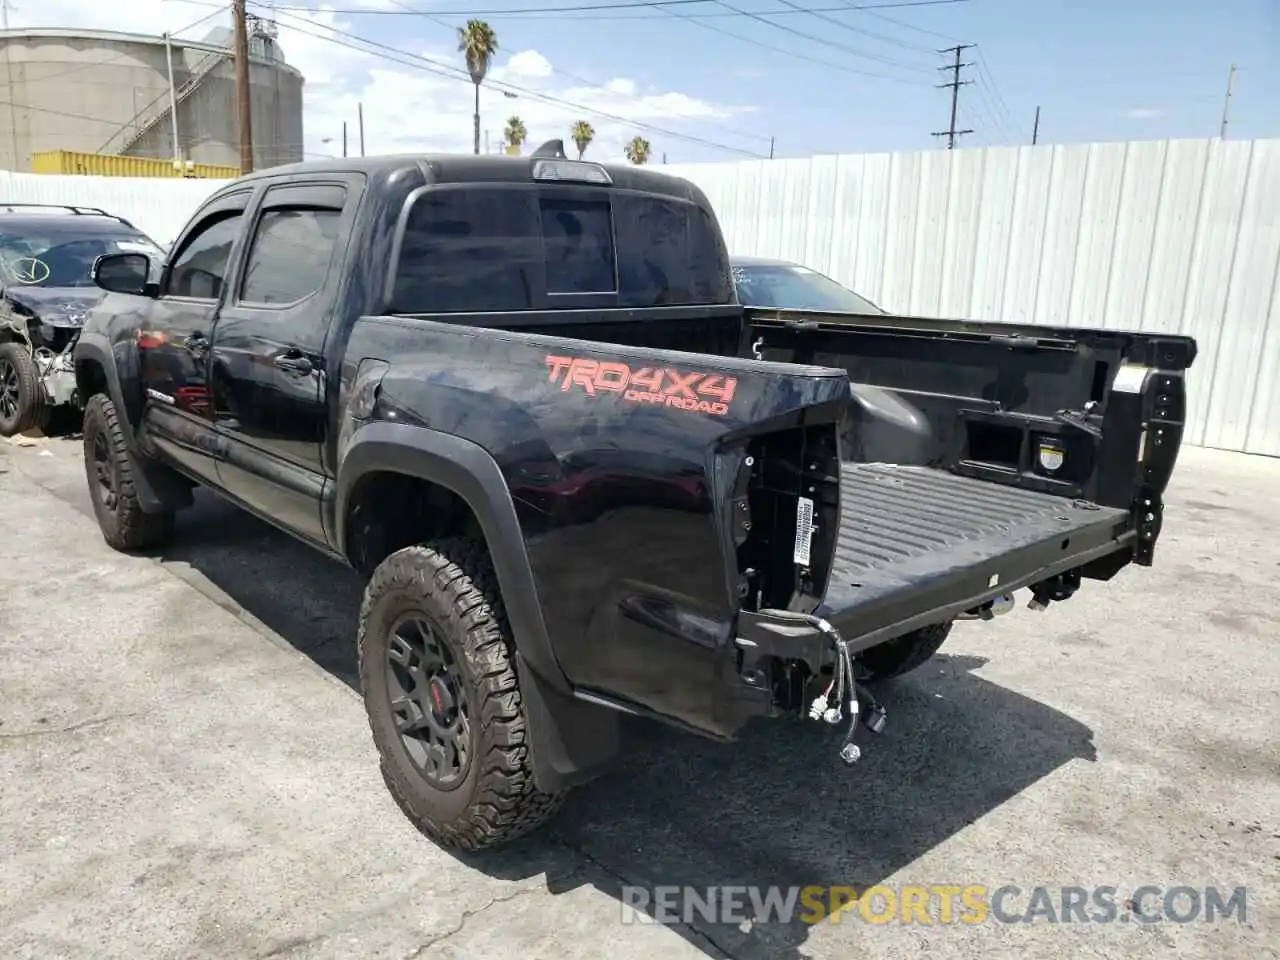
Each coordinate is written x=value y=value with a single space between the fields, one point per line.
x=1179 y=236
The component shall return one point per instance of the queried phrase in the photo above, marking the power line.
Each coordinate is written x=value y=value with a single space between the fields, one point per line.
x=788 y=53
x=1002 y=108
x=577 y=79
x=59 y=113
x=821 y=41
x=663 y=5
x=884 y=38
x=999 y=120
x=956 y=83
x=872 y=12
x=599 y=7
x=844 y=26
x=428 y=65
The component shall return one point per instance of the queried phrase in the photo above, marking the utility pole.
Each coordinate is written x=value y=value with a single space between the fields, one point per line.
x=1226 y=104
x=173 y=98
x=360 y=119
x=344 y=139
x=8 y=69
x=956 y=83
x=245 y=122
x=1035 y=129
x=771 y=148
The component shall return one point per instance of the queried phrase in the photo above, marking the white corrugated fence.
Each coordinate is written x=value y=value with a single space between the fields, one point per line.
x=158 y=207
x=1179 y=236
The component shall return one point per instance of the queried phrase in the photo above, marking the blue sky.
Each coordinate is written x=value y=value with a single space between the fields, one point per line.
x=1117 y=70
x=1098 y=70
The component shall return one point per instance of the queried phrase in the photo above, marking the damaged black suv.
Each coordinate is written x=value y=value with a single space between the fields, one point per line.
x=47 y=255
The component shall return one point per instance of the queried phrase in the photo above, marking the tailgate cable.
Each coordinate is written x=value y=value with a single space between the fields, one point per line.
x=828 y=705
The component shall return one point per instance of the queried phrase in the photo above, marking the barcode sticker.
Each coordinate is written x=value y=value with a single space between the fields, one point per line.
x=804 y=531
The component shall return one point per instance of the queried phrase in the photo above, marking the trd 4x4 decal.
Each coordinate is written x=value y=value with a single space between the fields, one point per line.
x=681 y=390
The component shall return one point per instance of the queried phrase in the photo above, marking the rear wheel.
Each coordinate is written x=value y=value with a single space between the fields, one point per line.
x=443 y=701
x=903 y=654
x=22 y=399
x=109 y=470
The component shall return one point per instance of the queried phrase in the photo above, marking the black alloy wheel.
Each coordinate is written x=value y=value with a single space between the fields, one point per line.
x=106 y=483
x=8 y=389
x=444 y=701
x=429 y=701
x=22 y=399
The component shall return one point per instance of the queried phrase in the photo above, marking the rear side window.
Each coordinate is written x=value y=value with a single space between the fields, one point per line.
x=467 y=251
x=290 y=255
x=511 y=249
x=672 y=251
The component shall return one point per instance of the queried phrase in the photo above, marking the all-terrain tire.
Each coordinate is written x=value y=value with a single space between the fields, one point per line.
x=452 y=582
x=123 y=523
x=32 y=408
x=903 y=654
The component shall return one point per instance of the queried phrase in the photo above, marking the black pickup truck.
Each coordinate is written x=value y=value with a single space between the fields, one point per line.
x=520 y=396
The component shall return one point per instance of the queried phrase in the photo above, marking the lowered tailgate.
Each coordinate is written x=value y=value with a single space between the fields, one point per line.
x=918 y=545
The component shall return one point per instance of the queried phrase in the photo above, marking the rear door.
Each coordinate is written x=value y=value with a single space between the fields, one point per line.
x=269 y=373
x=174 y=340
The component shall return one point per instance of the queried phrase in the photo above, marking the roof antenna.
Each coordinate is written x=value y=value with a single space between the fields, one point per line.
x=552 y=149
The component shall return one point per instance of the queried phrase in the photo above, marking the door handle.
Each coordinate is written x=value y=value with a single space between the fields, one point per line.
x=293 y=363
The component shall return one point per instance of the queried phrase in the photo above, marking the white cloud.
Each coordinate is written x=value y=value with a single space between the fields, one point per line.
x=410 y=109
x=528 y=64
x=1142 y=113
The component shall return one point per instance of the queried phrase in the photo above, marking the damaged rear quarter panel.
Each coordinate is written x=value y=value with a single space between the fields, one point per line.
x=614 y=485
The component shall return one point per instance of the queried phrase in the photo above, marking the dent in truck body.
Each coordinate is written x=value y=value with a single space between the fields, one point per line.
x=611 y=481
x=616 y=502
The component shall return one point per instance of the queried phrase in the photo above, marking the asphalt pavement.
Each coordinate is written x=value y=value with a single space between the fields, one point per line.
x=186 y=771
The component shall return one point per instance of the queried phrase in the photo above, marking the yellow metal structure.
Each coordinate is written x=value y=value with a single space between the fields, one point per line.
x=70 y=163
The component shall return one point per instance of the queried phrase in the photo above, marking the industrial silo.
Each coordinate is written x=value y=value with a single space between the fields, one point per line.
x=101 y=92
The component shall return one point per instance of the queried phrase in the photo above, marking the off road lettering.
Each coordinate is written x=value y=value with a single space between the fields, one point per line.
x=662 y=386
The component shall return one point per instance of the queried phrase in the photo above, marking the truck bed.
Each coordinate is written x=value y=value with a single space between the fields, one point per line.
x=914 y=537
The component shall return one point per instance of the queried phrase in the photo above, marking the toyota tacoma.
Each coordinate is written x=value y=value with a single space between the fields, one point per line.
x=520 y=396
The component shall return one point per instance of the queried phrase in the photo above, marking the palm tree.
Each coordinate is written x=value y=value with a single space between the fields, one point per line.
x=638 y=150
x=515 y=133
x=478 y=44
x=582 y=134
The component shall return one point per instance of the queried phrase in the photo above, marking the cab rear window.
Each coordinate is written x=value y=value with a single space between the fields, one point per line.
x=498 y=249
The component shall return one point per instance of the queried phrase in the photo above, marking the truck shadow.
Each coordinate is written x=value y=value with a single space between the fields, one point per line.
x=776 y=809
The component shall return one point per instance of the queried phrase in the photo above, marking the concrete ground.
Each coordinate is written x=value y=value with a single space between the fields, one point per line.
x=186 y=771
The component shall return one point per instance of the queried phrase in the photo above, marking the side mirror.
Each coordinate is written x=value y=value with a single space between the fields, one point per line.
x=124 y=273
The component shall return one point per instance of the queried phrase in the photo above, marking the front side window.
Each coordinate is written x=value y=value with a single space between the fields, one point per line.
x=201 y=267
x=290 y=256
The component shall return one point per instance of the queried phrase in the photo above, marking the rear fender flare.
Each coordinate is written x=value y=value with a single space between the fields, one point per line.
x=469 y=471
x=571 y=741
